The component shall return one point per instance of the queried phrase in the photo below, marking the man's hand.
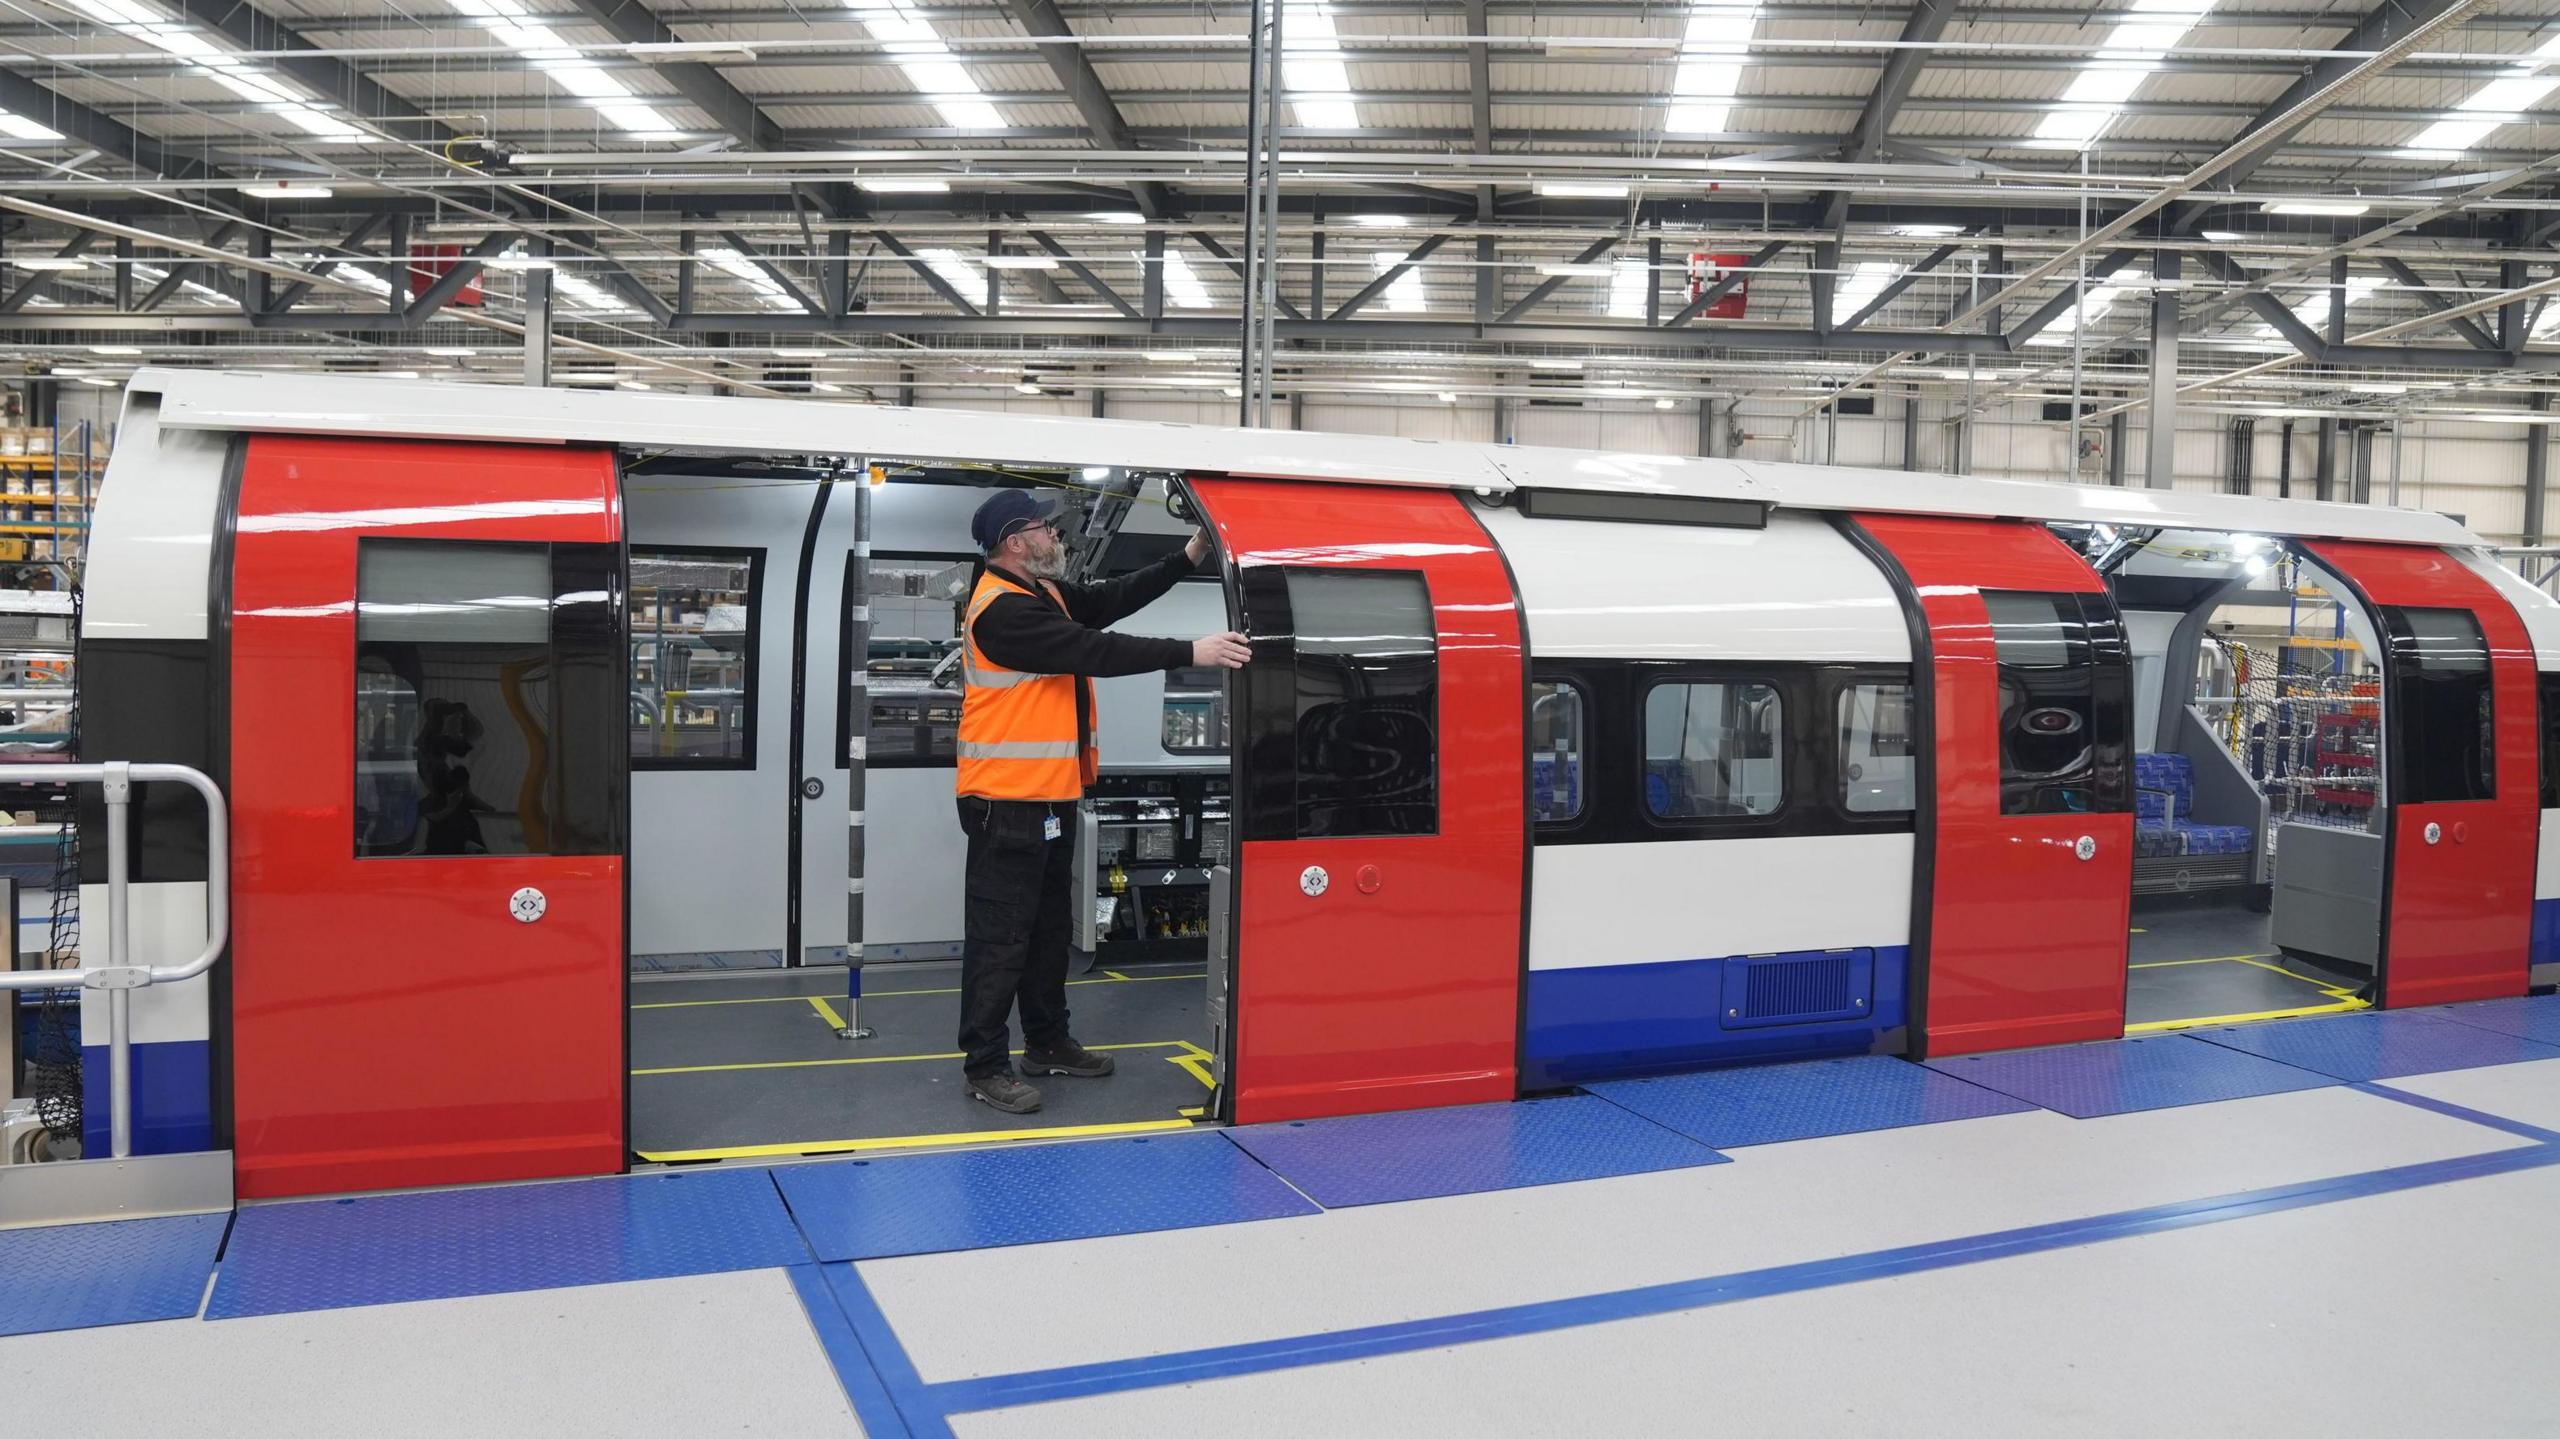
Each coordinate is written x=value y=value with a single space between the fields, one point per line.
x=1198 y=549
x=1226 y=651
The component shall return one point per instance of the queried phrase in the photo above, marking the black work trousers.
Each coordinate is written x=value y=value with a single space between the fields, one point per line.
x=1020 y=885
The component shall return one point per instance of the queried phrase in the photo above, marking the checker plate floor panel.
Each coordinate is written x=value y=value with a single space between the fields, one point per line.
x=2378 y=1046
x=1773 y=1103
x=979 y=1199
x=126 y=1271
x=392 y=1248
x=2537 y=1018
x=1429 y=1153
x=2120 y=1076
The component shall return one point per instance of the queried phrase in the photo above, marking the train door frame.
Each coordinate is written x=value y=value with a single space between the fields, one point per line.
x=2382 y=577
x=1939 y=602
x=1465 y=1035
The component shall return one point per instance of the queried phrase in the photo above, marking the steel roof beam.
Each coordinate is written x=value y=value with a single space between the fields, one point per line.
x=702 y=86
x=24 y=97
x=43 y=280
x=1553 y=283
x=335 y=80
x=1389 y=276
x=928 y=274
x=2416 y=287
x=1086 y=92
x=1235 y=267
x=1900 y=283
x=782 y=278
x=1724 y=287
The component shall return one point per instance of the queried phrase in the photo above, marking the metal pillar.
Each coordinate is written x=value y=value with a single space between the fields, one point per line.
x=1260 y=290
x=857 y=745
x=2115 y=449
x=2398 y=424
x=2324 y=463
x=1911 y=431
x=1098 y=406
x=1501 y=420
x=2243 y=457
x=1707 y=446
x=2284 y=463
x=2360 y=465
x=2160 y=441
x=2537 y=470
x=537 y=321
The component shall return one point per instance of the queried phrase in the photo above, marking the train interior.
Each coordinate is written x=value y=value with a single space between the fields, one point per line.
x=746 y=1036
x=2257 y=774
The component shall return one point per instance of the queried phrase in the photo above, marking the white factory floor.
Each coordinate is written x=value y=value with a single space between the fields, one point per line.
x=2361 y=1256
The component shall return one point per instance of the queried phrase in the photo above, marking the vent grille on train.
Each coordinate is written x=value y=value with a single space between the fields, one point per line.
x=1789 y=987
x=1799 y=987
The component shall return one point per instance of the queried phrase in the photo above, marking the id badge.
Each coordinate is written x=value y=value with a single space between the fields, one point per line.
x=1050 y=828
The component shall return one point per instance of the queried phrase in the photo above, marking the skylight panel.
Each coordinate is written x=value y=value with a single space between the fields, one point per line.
x=2092 y=307
x=917 y=49
x=19 y=127
x=569 y=68
x=2498 y=103
x=1404 y=294
x=1712 y=54
x=1628 y=284
x=2128 y=56
x=1859 y=286
x=2314 y=311
x=748 y=273
x=955 y=271
x=1312 y=69
x=169 y=35
x=1182 y=284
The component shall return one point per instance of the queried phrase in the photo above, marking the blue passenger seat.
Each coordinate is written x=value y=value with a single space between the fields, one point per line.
x=2164 y=788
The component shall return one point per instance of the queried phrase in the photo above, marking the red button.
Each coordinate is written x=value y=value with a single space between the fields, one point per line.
x=1368 y=879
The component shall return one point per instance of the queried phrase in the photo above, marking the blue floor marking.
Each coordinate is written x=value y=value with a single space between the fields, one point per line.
x=1033 y=1194
x=924 y=1418
x=1371 y=1341
x=2377 y=1046
x=2458 y=1111
x=2536 y=1018
x=1773 y=1103
x=123 y=1271
x=2122 y=1076
x=1466 y=1149
x=863 y=1387
x=392 y=1248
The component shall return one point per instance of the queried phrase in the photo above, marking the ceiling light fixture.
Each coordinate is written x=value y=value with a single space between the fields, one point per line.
x=48 y=262
x=286 y=190
x=1382 y=222
x=1022 y=262
x=115 y=349
x=902 y=185
x=1713 y=50
x=2315 y=207
x=1580 y=190
x=1576 y=271
x=1169 y=357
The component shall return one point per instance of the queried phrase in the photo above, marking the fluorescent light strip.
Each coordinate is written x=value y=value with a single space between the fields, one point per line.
x=19 y=127
x=1628 y=284
x=567 y=66
x=954 y=270
x=917 y=49
x=1863 y=283
x=2128 y=56
x=1404 y=294
x=1182 y=284
x=168 y=34
x=1712 y=54
x=1312 y=69
x=2498 y=103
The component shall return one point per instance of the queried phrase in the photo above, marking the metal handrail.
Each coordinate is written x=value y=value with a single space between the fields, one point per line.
x=119 y=977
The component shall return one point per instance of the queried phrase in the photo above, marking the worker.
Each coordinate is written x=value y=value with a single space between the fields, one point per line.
x=1030 y=648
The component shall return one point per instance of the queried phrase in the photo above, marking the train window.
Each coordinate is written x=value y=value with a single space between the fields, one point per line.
x=1555 y=751
x=2550 y=697
x=2443 y=718
x=916 y=601
x=488 y=680
x=2065 y=703
x=693 y=657
x=1877 y=759
x=1195 y=711
x=1714 y=750
x=1342 y=707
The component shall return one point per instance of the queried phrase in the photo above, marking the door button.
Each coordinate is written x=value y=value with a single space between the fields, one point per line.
x=2087 y=847
x=527 y=905
x=2434 y=832
x=1369 y=879
x=1313 y=881
x=2461 y=833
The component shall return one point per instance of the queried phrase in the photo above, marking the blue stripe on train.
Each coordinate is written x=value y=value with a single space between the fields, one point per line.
x=2546 y=931
x=1608 y=1020
x=172 y=1098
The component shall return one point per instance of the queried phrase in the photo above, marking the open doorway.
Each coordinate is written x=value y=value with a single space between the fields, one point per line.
x=744 y=823
x=2259 y=807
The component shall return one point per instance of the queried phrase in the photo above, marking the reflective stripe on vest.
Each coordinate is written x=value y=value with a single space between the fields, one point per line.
x=1018 y=729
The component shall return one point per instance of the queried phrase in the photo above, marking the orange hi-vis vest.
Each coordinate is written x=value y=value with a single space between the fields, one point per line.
x=1017 y=729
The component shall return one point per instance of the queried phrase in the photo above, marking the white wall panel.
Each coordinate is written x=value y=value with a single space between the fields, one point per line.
x=1710 y=899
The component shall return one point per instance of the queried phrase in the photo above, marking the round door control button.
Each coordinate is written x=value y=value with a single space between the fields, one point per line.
x=2461 y=832
x=527 y=905
x=2087 y=847
x=1369 y=879
x=2434 y=832
x=1313 y=881
x=812 y=787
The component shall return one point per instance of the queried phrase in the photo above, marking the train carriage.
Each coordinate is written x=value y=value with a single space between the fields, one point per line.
x=538 y=715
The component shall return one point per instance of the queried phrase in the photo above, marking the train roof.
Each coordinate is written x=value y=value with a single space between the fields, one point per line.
x=430 y=409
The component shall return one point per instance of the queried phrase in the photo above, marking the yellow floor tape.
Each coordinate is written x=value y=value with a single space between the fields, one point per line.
x=2340 y=1001
x=1182 y=1044
x=912 y=1141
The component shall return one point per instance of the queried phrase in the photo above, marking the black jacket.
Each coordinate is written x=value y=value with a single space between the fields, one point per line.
x=1031 y=634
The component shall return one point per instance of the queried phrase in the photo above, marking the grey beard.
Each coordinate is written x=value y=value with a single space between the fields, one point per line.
x=1052 y=568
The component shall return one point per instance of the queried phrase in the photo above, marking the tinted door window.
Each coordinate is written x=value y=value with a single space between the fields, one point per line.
x=2065 y=703
x=490 y=682
x=1342 y=733
x=1877 y=763
x=1714 y=750
x=2443 y=718
x=693 y=658
x=2550 y=698
x=1555 y=751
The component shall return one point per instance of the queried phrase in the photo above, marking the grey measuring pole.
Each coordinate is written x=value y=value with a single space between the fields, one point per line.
x=857 y=745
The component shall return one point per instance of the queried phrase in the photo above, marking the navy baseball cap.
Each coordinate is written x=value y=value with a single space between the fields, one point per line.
x=1007 y=511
